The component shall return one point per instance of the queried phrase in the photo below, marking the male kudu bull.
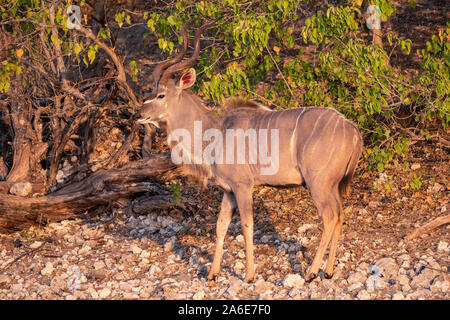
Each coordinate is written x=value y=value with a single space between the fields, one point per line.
x=317 y=147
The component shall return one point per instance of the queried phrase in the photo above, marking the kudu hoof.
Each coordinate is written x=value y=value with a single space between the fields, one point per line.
x=328 y=275
x=310 y=277
x=212 y=276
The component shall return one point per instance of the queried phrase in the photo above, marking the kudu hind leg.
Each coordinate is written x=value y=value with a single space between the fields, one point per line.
x=245 y=206
x=335 y=239
x=328 y=210
x=223 y=221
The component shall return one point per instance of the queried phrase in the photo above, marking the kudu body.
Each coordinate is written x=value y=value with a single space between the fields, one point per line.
x=317 y=147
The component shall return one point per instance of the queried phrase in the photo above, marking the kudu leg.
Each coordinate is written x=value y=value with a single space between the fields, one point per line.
x=328 y=210
x=245 y=206
x=335 y=239
x=223 y=221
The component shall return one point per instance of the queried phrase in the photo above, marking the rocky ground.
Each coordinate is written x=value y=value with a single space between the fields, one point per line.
x=166 y=255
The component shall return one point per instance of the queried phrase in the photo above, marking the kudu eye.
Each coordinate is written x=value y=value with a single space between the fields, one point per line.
x=161 y=96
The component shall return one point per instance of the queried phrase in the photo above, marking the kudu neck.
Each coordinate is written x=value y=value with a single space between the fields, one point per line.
x=187 y=109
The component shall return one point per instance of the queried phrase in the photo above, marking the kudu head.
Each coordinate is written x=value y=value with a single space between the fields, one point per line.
x=166 y=91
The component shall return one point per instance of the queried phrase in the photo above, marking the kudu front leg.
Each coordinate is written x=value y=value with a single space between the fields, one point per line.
x=223 y=221
x=245 y=206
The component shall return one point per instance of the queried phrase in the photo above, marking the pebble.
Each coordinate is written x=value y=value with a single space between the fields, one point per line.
x=21 y=189
x=357 y=277
x=262 y=286
x=239 y=265
x=385 y=267
x=424 y=279
x=364 y=295
x=104 y=293
x=35 y=244
x=200 y=295
x=48 y=269
x=398 y=296
x=442 y=246
x=84 y=249
x=403 y=280
x=293 y=280
x=136 y=250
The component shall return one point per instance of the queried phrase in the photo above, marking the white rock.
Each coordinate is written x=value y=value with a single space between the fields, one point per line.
x=374 y=282
x=136 y=249
x=363 y=295
x=60 y=176
x=262 y=286
x=403 y=280
x=21 y=189
x=415 y=166
x=240 y=238
x=153 y=270
x=304 y=228
x=442 y=246
x=398 y=296
x=199 y=295
x=239 y=266
x=293 y=280
x=357 y=277
x=35 y=244
x=48 y=269
x=437 y=187
x=385 y=267
x=84 y=249
x=105 y=293
x=355 y=286
x=444 y=286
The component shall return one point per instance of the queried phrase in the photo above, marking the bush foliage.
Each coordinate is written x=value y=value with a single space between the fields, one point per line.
x=257 y=50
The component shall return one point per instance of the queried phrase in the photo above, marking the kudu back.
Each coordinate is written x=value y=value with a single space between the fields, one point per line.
x=314 y=146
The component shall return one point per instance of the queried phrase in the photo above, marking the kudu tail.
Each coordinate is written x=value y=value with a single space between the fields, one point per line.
x=346 y=181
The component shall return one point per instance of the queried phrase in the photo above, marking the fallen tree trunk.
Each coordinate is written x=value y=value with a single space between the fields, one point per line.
x=101 y=188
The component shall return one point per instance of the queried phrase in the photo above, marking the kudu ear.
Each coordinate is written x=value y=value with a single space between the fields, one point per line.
x=187 y=79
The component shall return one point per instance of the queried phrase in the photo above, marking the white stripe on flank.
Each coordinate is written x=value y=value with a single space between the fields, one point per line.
x=268 y=122
x=313 y=148
x=332 y=150
x=312 y=132
x=293 y=136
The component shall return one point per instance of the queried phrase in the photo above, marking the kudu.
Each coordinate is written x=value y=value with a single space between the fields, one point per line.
x=317 y=147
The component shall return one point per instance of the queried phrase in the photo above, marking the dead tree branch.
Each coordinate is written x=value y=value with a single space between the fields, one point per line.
x=426 y=228
x=101 y=188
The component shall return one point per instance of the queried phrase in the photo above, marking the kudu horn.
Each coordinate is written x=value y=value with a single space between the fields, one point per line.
x=189 y=62
x=164 y=65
